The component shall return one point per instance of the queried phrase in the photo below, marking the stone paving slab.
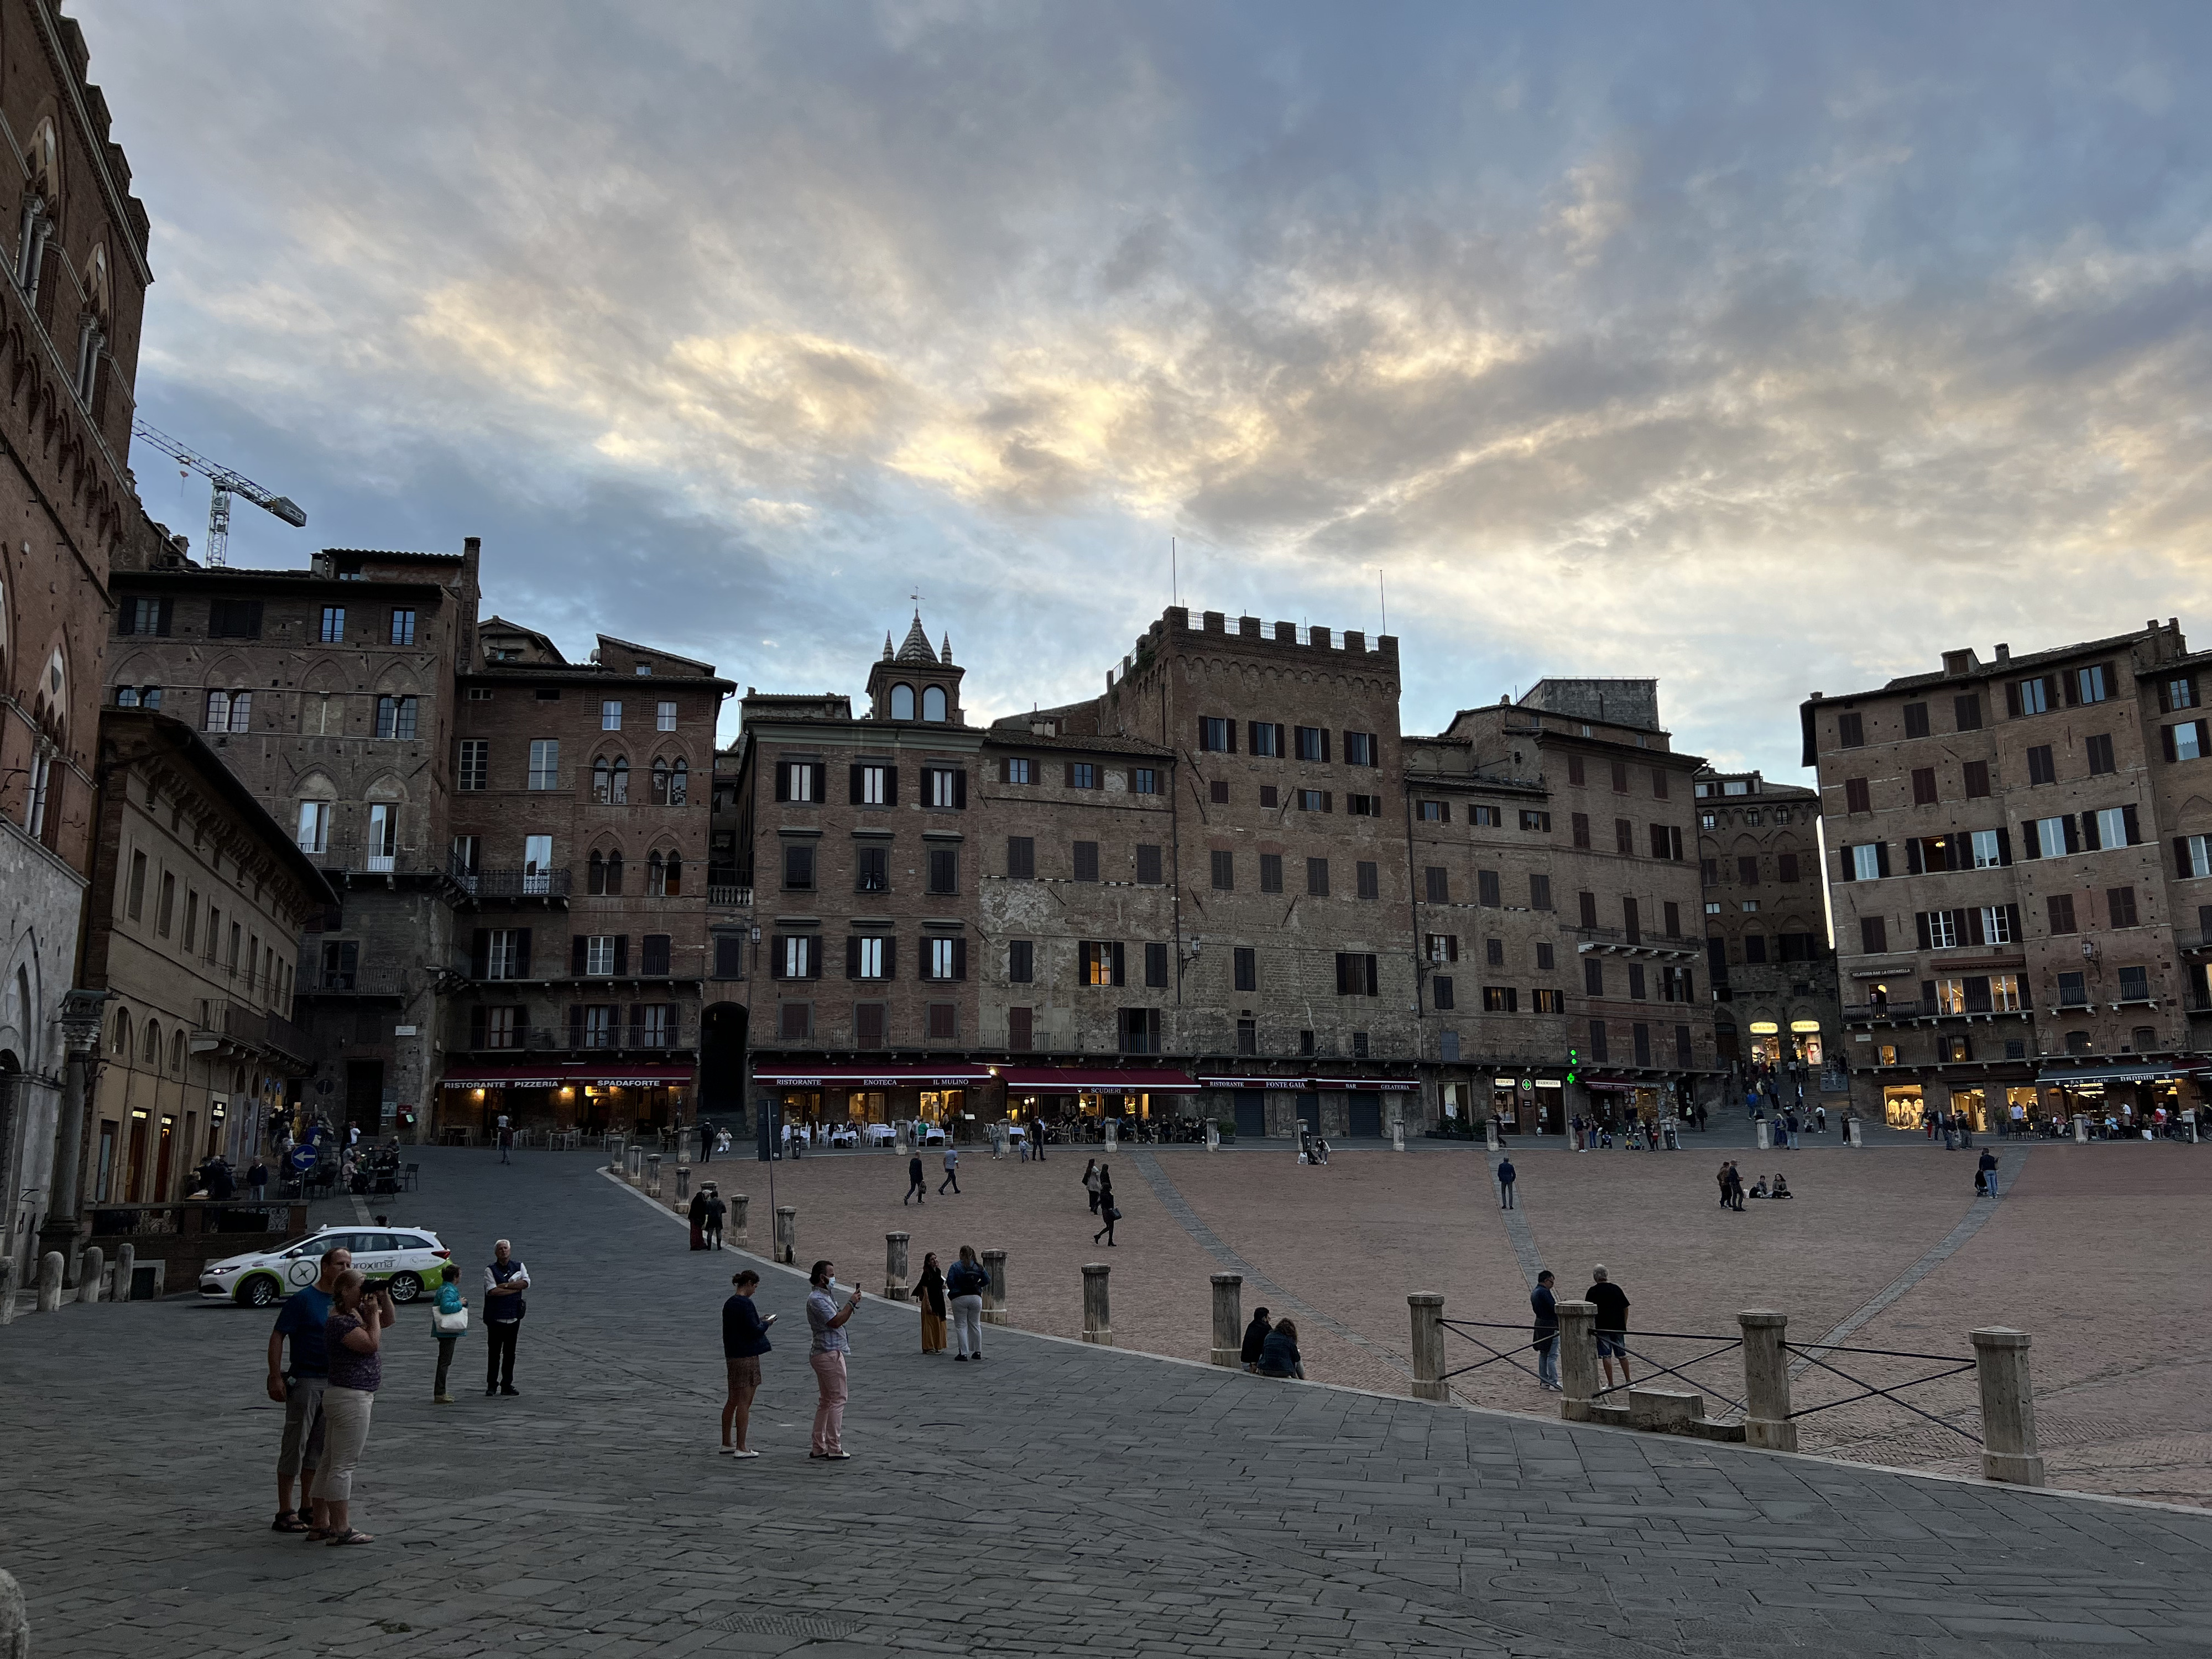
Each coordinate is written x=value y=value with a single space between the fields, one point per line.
x=1059 y=1498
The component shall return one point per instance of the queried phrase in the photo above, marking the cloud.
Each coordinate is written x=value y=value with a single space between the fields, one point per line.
x=1757 y=355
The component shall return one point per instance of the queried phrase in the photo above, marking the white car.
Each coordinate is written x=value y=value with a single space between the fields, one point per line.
x=406 y=1259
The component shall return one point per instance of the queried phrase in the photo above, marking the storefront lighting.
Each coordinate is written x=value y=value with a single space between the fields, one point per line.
x=1800 y=1025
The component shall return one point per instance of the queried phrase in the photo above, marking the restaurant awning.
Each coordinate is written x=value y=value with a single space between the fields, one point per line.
x=1383 y=1083
x=954 y=1075
x=1094 y=1080
x=2062 y=1075
x=618 y=1075
x=1619 y=1084
x=1297 y=1083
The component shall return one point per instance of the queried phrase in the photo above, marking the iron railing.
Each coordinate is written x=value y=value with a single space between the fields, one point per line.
x=514 y=883
x=233 y=1022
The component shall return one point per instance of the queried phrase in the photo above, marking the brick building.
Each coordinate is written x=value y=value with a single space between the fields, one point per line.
x=193 y=924
x=2019 y=868
x=1768 y=958
x=1199 y=893
x=70 y=314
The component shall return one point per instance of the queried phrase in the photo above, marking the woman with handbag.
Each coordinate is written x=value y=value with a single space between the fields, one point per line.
x=449 y=1319
x=1109 y=1212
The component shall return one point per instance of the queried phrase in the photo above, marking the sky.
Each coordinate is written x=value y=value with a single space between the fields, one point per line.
x=1760 y=350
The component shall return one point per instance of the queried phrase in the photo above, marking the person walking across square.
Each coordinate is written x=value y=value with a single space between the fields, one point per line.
x=951 y=1169
x=1506 y=1176
x=827 y=1322
x=744 y=1339
x=1109 y=1212
x=716 y=1210
x=1546 y=1332
x=1612 y=1324
x=505 y=1281
x=299 y=1388
x=917 y=1184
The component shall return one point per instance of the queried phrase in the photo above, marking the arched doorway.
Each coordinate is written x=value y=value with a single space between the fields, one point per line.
x=722 y=1029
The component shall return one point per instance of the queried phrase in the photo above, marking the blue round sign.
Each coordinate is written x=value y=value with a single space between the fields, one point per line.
x=303 y=1158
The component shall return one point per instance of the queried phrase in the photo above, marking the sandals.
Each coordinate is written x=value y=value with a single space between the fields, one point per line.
x=288 y=1521
x=351 y=1537
x=319 y=1534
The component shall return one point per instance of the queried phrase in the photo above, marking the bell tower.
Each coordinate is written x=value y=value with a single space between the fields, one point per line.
x=916 y=683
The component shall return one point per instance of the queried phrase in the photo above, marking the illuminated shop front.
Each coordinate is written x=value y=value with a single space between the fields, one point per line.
x=1771 y=1045
x=590 y=1099
x=1133 y=1094
x=828 y=1096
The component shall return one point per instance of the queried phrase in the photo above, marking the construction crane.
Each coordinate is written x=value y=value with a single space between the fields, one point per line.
x=227 y=483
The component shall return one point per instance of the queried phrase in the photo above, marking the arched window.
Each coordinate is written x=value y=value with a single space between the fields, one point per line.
x=621 y=782
x=660 y=783
x=933 y=703
x=901 y=702
x=596 y=867
x=177 y=1054
x=679 y=784
x=602 y=780
x=656 y=876
x=675 y=874
x=614 y=871
x=151 y=1052
x=122 y=1042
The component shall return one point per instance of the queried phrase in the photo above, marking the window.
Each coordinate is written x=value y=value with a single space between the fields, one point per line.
x=136 y=903
x=2100 y=748
x=395 y=717
x=144 y=616
x=2119 y=906
x=1245 y=963
x=1156 y=964
x=1369 y=877
x=2192 y=857
x=1620 y=777
x=1021 y=961
x=1856 y=796
x=1355 y=974
x=2113 y=826
x=1146 y=780
x=2091 y=684
x=1313 y=800
x=795 y=780
x=1785 y=870
x=1587 y=905
x=1658 y=783
x=1489 y=890
x=1364 y=806
x=228 y=711
x=1593 y=977
x=934 y=704
x=664 y=717
x=1541 y=822
x=1247 y=1036
x=1867 y=861
x=1923 y=786
x=1489 y=818
x=1580 y=823
x=1597 y=1039
x=2061 y=906
x=1139 y=1029
x=1624 y=838
x=2072 y=990
x=1851 y=731
x=1712 y=907
x=1021 y=858
x=1636 y=990
x=1148 y=869
x=1441 y=947
x=1666 y=842
x=1217 y=791
x=2029 y=697
x=2192 y=741
x=1306 y=1043
x=544 y=762
x=1915 y=719
x=1874 y=935
x=1542 y=1001
x=1500 y=1000
x=610 y=716
x=946 y=788
x=1100 y=960
x=798 y=956
x=901 y=702
x=1966 y=712
x=2175 y=694
x=1264 y=739
x=598 y=954
x=1575 y=770
x=2135 y=984
x=314 y=835
x=1019 y=768
x=476 y=763
x=873 y=785
x=1540 y=892
x=332 y=631
x=872 y=870
x=944 y=870
x=1312 y=743
x=1082 y=775
x=1435 y=811
x=1225 y=871
x=869 y=957
x=1216 y=736
x=1086 y=860
x=1361 y=749
x=1020 y=1029
x=1317 y=877
x=794 y=1019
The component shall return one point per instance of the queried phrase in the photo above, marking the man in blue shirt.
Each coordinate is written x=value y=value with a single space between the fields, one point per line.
x=300 y=1391
x=1545 y=1305
x=1506 y=1174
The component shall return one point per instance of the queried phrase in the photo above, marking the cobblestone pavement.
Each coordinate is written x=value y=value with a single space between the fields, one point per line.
x=1057 y=1499
x=2080 y=1230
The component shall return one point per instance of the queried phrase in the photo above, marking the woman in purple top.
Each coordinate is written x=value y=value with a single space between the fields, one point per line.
x=354 y=1333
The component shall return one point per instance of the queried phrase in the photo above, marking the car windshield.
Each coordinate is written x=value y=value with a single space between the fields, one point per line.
x=318 y=1244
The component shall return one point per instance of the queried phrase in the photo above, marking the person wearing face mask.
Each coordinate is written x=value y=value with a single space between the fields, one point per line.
x=827 y=1321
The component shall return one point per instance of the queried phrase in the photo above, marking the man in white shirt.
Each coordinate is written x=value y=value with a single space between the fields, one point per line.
x=951 y=1171
x=505 y=1281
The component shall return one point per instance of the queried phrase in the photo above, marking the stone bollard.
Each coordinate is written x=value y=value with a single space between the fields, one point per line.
x=786 y=1233
x=652 y=1175
x=634 y=1167
x=1577 y=1359
x=1767 y=1382
x=894 y=1265
x=902 y=1138
x=1490 y=1135
x=739 y=1238
x=1765 y=1128
x=615 y=1153
x=683 y=1183
x=1397 y=1135
x=89 y=1274
x=1857 y=1133
x=2188 y=1127
x=7 y=1291
x=1113 y=1135
x=1229 y=1319
x=994 y=1293
x=1212 y=1136
x=2009 y=1446
x=1097 y=1327
x=126 y=1269
x=15 y=1619
x=49 y=1281
x=1428 y=1309
x=2080 y=1130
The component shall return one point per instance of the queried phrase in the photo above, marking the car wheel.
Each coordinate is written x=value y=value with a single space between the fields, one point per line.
x=259 y=1292
x=404 y=1287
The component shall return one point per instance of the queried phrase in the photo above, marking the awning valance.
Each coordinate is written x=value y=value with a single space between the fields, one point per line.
x=1094 y=1080
x=651 y=1075
x=953 y=1075
x=2062 y=1075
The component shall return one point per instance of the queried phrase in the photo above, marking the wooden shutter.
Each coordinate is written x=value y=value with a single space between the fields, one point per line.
x=1881 y=858
x=1920 y=921
x=1974 y=932
x=2166 y=739
x=476 y=1028
x=480 y=953
x=522 y=953
x=783 y=779
x=2088 y=840
x=960 y=960
x=2129 y=821
x=575 y=1026
x=2012 y=922
x=853 y=781
x=1912 y=859
x=622 y=953
x=1847 y=873
x=2004 y=845
x=960 y=787
x=890 y=786
x=775 y=956
x=2053 y=684
x=576 y=950
x=2181 y=857
x=821 y=790
x=2012 y=698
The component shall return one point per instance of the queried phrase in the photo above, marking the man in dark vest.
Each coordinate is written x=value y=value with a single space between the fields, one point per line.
x=505 y=1281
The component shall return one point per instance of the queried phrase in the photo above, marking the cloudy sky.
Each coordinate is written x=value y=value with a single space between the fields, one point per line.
x=1761 y=349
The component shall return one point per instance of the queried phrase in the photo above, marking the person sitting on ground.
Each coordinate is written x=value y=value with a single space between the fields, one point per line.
x=1256 y=1335
x=1758 y=1188
x=1781 y=1188
x=1278 y=1354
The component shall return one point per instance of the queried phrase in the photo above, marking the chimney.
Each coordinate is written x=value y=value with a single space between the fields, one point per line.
x=2004 y=653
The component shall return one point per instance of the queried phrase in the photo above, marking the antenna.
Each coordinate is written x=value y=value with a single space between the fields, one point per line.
x=1175 y=578
x=1385 y=600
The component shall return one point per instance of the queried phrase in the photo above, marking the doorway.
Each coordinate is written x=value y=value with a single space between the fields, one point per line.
x=722 y=1065
x=1366 y=1113
x=364 y=1102
x=1251 y=1114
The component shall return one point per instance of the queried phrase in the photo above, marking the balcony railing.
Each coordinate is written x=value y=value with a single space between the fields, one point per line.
x=514 y=883
x=254 y=1027
x=727 y=896
x=379 y=980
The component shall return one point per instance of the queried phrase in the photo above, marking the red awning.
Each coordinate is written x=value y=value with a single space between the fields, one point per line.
x=1620 y=1084
x=615 y=1075
x=1104 y=1079
x=1299 y=1083
x=953 y=1075
x=1389 y=1082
